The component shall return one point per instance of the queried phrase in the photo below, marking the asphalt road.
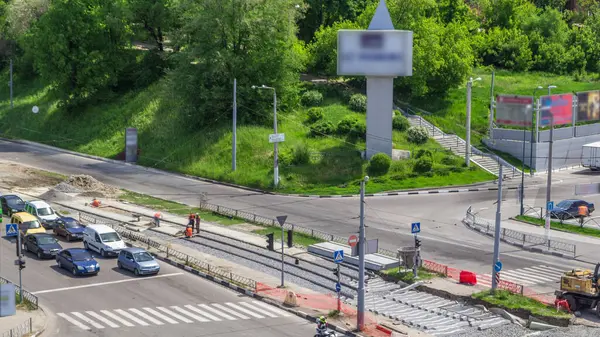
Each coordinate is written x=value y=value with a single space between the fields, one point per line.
x=444 y=238
x=116 y=303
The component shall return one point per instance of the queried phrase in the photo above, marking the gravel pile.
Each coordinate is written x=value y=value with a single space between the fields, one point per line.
x=87 y=183
x=66 y=188
x=53 y=195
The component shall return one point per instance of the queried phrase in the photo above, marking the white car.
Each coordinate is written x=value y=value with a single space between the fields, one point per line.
x=42 y=211
x=102 y=239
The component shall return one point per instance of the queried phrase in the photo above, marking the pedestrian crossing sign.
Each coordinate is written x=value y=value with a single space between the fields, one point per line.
x=415 y=227
x=338 y=256
x=11 y=229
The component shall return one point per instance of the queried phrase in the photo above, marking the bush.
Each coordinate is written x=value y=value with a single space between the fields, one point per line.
x=314 y=115
x=311 y=98
x=352 y=127
x=441 y=171
x=423 y=153
x=322 y=129
x=449 y=160
x=359 y=130
x=284 y=158
x=301 y=154
x=400 y=123
x=358 y=103
x=417 y=135
x=423 y=165
x=379 y=164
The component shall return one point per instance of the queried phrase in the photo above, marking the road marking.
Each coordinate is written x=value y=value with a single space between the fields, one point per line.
x=189 y=314
x=272 y=308
x=102 y=319
x=146 y=317
x=169 y=312
x=116 y=318
x=235 y=313
x=87 y=320
x=105 y=283
x=253 y=308
x=131 y=317
x=203 y=313
x=73 y=321
x=244 y=310
x=162 y=316
x=204 y=306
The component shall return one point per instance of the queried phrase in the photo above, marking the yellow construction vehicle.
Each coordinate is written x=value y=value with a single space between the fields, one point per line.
x=581 y=289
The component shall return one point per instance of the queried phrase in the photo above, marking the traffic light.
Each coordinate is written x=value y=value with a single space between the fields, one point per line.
x=290 y=238
x=270 y=241
x=417 y=242
x=21 y=264
x=336 y=271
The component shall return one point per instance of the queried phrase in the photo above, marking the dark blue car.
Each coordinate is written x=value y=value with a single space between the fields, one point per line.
x=78 y=260
x=569 y=209
x=70 y=228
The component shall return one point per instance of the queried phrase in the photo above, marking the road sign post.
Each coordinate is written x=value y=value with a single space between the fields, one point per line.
x=20 y=256
x=415 y=228
x=281 y=219
x=338 y=289
x=496 y=257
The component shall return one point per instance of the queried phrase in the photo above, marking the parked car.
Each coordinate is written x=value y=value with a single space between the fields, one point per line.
x=70 y=228
x=569 y=209
x=103 y=240
x=42 y=211
x=43 y=245
x=138 y=260
x=11 y=204
x=27 y=223
x=78 y=260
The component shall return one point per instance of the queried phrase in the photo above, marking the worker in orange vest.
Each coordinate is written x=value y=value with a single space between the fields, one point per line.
x=157 y=216
x=189 y=231
x=583 y=212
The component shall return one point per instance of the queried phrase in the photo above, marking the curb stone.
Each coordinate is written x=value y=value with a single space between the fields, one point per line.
x=182 y=175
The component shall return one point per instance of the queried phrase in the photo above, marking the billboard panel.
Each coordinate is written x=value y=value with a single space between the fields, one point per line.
x=559 y=107
x=588 y=106
x=375 y=52
x=514 y=110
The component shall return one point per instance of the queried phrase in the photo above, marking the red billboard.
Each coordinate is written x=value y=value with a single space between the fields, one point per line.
x=557 y=107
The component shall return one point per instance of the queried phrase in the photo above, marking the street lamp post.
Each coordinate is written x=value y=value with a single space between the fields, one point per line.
x=362 y=245
x=549 y=181
x=533 y=123
x=522 y=192
x=275 y=150
x=468 y=140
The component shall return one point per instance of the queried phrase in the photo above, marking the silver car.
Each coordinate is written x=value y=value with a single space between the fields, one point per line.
x=138 y=260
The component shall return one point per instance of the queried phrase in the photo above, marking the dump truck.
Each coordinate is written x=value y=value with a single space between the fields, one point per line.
x=580 y=288
x=590 y=156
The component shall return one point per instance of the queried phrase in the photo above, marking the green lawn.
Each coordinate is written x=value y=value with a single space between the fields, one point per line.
x=335 y=166
x=300 y=239
x=408 y=276
x=177 y=208
x=564 y=226
x=509 y=300
x=449 y=112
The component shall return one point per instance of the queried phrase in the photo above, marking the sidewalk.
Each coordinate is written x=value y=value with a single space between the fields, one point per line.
x=24 y=322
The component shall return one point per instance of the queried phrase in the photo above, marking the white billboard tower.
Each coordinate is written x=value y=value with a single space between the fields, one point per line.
x=380 y=53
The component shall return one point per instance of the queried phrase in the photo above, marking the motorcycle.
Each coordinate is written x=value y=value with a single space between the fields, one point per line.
x=325 y=333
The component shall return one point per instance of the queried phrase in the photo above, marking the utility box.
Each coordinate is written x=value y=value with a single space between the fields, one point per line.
x=407 y=256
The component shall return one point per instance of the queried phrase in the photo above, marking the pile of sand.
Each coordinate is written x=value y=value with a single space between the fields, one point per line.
x=92 y=187
x=64 y=187
x=53 y=195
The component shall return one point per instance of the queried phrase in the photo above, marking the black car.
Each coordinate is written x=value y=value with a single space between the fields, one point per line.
x=12 y=204
x=43 y=245
x=70 y=228
x=569 y=209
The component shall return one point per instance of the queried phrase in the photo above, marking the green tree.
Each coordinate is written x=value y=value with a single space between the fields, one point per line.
x=324 y=13
x=78 y=46
x=154 y=16
x=253 y=41
x=323 y=48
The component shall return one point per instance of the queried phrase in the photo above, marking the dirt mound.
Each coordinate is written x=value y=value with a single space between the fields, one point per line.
x=66 y=188
x=53 y=195
x=91 y=194
x=87 y=183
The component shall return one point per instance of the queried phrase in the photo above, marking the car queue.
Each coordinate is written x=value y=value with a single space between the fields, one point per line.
x=35 y=218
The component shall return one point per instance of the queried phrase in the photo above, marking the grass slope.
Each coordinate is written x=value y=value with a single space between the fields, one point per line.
x=449 y=112
x=335 y=166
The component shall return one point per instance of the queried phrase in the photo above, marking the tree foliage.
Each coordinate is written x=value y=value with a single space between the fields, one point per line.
x=155 y=16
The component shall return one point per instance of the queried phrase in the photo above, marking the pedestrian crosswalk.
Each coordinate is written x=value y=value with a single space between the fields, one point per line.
x=165 y=315
x=525 y=276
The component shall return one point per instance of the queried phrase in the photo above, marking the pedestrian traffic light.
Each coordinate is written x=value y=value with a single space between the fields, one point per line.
x=270 y=241
x=417 y=242
x=336 y=271
x=18 y=247
x=21 y=264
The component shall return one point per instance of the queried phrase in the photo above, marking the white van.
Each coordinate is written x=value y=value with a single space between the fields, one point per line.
x=43 y=211
x=102 y=239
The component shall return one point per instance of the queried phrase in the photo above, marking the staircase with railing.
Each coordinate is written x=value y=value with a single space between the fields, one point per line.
x=486 y=160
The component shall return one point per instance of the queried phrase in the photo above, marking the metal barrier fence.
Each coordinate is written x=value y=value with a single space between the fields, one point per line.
x=259 y=219
x=187 y=259
x=517 y=238
x=27 y=296
x=23 y=329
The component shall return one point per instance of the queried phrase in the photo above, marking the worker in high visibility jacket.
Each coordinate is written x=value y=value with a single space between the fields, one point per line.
x=189 y=232
x=157 y=217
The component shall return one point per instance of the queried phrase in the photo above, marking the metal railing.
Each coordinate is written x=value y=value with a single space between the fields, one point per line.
x=515 y=237
x=23 y=329
x=27 y=296
x=188 y=260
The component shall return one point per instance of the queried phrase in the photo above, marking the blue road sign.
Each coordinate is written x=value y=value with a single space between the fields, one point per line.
x=415 y=227
x=498 y=266
x=338 y=256
x=11 y=229
x=338 y=287
x=550 y=205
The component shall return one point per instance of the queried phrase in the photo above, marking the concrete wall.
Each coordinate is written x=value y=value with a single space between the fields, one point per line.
x=380 y=108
